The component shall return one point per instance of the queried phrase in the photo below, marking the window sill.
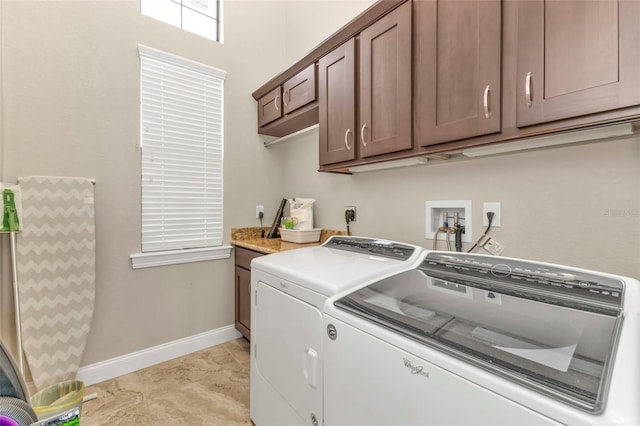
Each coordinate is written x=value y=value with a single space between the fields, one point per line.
x=174 y=257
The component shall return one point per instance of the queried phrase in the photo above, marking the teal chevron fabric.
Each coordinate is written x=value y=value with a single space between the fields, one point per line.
x=56 y=274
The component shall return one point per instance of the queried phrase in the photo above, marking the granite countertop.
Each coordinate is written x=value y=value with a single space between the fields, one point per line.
x=250 y=238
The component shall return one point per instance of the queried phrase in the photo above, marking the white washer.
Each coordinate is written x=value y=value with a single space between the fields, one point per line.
x=471 y=339
x=288 y=292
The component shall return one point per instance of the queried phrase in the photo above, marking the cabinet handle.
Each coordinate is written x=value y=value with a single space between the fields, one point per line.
x=364 y=126
x=527 y=89
x=286 y=97
x=276 y=101
x=487 y=112
x=346 y=139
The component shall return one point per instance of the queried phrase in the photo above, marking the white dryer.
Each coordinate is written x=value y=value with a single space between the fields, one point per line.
x=469 y=339
x=288 y=292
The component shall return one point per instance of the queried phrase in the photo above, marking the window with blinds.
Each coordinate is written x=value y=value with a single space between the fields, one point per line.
x=181 y=117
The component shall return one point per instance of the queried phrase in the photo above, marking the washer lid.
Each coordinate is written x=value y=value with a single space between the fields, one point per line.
x=551 y=343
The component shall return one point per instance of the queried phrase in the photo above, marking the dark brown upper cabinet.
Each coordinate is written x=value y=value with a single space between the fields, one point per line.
x=409 y=78
x=384 y=113
x=457 y=66
x=291 y=106
x=576 y=58
x=380 y=103
x=299 y=90
x=270 y=107
x=337 y=104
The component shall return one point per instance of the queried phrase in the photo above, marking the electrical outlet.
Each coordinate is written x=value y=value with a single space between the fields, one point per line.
x=259 y=209
x=351 y=211
x=491 y=207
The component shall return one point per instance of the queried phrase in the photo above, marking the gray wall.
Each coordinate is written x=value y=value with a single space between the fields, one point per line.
x=573 y=205
x=70 y=107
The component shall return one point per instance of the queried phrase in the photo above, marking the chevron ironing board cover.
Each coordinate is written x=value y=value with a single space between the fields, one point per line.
x=56 y=275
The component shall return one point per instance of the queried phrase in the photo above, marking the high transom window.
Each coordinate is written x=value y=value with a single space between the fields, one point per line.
x=201 y=17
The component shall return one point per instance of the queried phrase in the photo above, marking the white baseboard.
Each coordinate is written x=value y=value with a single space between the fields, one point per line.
x=109 y=369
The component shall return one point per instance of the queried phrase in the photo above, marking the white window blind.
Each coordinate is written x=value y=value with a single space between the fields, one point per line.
x=182 y=149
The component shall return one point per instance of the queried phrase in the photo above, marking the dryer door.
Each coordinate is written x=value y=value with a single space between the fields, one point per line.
x=288 y=343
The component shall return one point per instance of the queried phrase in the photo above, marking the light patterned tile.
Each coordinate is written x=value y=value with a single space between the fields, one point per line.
x=209 y=387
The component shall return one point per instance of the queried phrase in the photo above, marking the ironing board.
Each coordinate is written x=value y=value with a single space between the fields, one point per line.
x=56 y=274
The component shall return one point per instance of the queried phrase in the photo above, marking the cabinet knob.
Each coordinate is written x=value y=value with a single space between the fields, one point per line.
x=346 y=139
x=276 y=102
x=487 y=111
x=286 y=97
x=527 y=89
x=364 y=126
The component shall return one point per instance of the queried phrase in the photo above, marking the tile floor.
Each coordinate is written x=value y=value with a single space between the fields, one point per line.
x=210 y=387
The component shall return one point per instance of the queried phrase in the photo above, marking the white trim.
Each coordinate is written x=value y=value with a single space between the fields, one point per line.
x=179 y=61
x=174 y=257
x=115 y=367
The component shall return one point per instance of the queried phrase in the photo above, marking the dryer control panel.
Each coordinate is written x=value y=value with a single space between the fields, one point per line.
x=373 y=246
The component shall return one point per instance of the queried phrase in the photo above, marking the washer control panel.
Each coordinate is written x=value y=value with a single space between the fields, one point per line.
x=526 y=279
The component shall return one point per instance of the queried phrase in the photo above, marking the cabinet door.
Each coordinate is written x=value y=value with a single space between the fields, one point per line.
x=337 y=108
x=270 y=107
x=456 y=69
x=243 y=301
x=299 y=90
x=576 y=57
x=384 y=123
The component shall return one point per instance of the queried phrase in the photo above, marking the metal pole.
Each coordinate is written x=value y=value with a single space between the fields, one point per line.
x=16 y=298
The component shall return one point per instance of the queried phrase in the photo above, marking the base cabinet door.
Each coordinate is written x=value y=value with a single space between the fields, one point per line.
x=243 y=301
x=457 y=62
x=384 y=108
x=337 y=104
x=575 y=58
x=242 y=289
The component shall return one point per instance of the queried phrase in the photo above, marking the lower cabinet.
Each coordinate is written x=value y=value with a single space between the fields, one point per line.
x=243 y=289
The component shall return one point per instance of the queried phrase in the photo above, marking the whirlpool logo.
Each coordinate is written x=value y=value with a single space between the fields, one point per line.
x=416 y=369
